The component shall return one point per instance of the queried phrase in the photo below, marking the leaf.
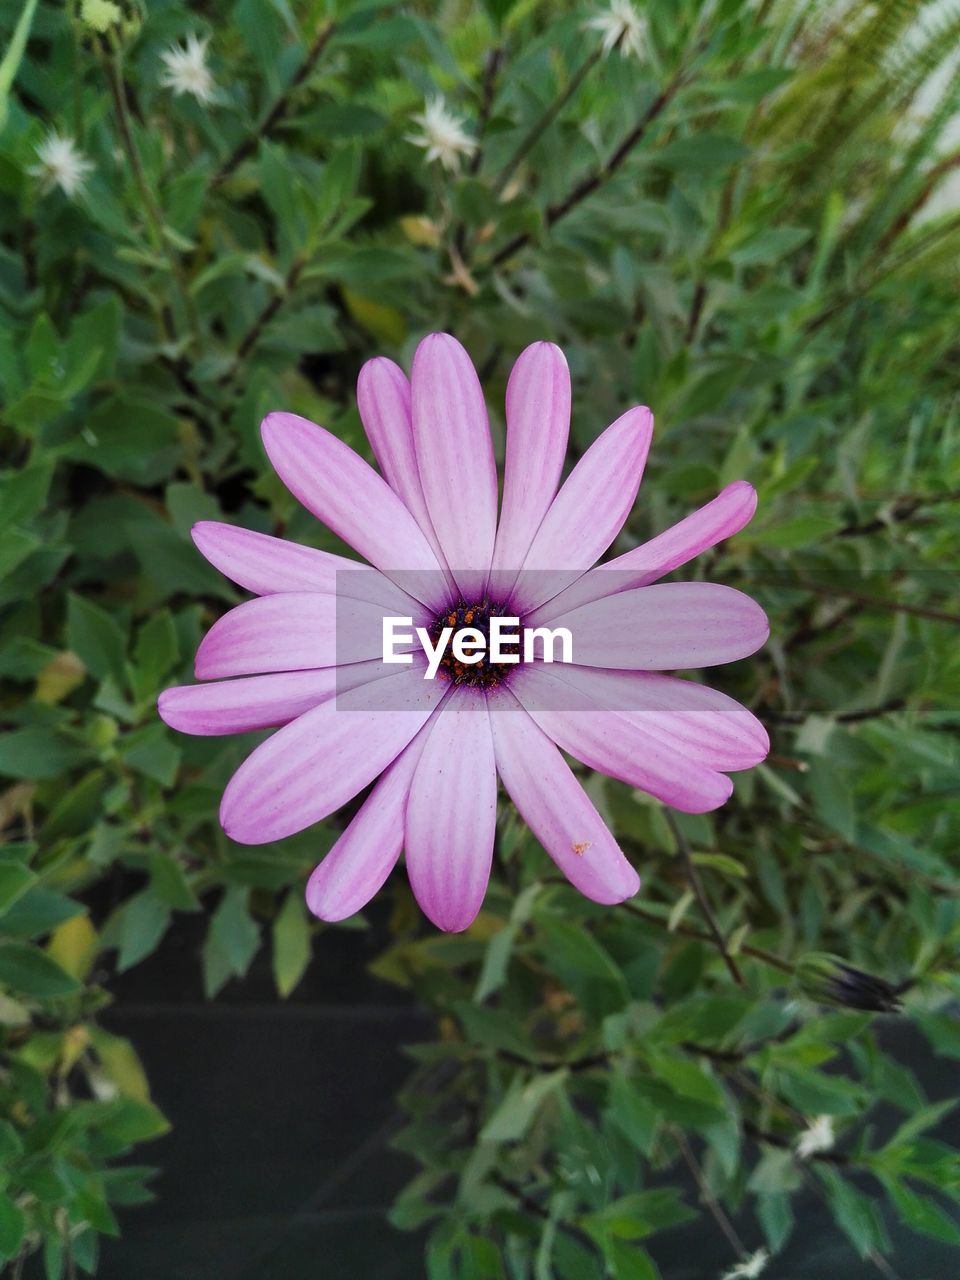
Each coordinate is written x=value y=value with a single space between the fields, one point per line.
x=854 y=1212
x=13 y=1224
x=922 y=1214
x=632 y=1113
x=74 y=946
x=15 y=880
x=121 y=1063
x=513 y=1117
x=31 y=972
x=96 y=638
x=36 y=753
x=701 y=153
x=291 y=942
x=139 y=925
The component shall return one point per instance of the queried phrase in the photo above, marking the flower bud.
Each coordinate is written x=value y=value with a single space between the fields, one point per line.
x=827 y=979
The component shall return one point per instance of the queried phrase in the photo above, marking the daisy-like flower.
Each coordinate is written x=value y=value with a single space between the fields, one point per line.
x=817 y=1137
x=186 y=69
x=620 y=26
x=444 y=137
x=62 y=164
x=749 y=1268
x=307 y=653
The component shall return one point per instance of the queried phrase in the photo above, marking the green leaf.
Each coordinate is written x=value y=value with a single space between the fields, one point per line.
x=854 y=1212
x=15 y=880
x=13 y=1224
x=29 y=971
x=634 y=1114
x=37 y=753
x=513 y=1117
x=921 y=1214
x=291 y=942
x=96 y=637
x=138 y=927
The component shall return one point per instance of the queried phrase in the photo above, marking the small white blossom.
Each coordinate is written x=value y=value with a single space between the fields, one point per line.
x=444 y=137
x=187 y=70
x=818 y=1136
x=620 y=26
x=62 y=164
x=750 y=1268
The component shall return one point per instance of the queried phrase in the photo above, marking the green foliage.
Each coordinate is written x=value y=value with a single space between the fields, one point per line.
x=740 y=229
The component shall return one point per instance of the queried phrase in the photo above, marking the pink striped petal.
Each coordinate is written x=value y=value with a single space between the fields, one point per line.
x=589 y=511
x=729 y=512
x=383 y=398
x=357 y=866
x=259 y=702
x=452 y=814
x=455 y=457
x=609 y=742
x=254 y=702
x=293 y=631
x=349 y=497
x=538 y=425
x=706 y=725
x=268 y=566
x=672 y=626
x=311 y=767
x=557 y=809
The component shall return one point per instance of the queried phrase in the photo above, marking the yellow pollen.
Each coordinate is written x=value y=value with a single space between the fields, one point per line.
x=580 y=847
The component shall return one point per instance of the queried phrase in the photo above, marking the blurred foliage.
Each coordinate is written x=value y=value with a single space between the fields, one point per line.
x=739 y=228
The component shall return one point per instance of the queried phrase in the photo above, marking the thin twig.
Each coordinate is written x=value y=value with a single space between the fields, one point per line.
x=713 y=1205
x=696 y=885
x=598 y=177
x=540 y=126
x=278 y=108
x=252 y=335
x=698 y=935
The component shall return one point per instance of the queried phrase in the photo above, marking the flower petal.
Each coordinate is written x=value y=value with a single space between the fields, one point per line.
x=538 y=426
x=383 y=398
x=350 y=498
x=356 y=867
x=589 y=511
x=455 y=457
x=268 y=566
x=452 y=813
x=707 y=726
x=311 y=767
x=293 y=631
x=671 y=626
x=729 y=512
x=258 y=702
x=611 y=743
x=557 y=809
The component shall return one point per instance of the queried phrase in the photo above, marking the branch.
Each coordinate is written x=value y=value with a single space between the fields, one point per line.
x=278 y=109
x=697 y=887
x=592 y=181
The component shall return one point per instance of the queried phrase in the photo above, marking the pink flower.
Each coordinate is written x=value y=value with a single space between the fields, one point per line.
x=301 y=655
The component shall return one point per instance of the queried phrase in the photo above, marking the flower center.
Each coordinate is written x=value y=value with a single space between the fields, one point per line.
x=482 y=674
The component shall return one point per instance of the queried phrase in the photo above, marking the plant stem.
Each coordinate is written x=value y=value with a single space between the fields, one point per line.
x=696 y=885
x=152 y=210
x=713 y=1206
x=540 y=126
x=252 y=335
x=278 y=108
x=598 y=177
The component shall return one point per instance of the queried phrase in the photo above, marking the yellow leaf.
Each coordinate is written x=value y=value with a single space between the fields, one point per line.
x=59 y=678
x=121 y=1064
x=420 y=230
x=384 y=323
x=73 y=945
